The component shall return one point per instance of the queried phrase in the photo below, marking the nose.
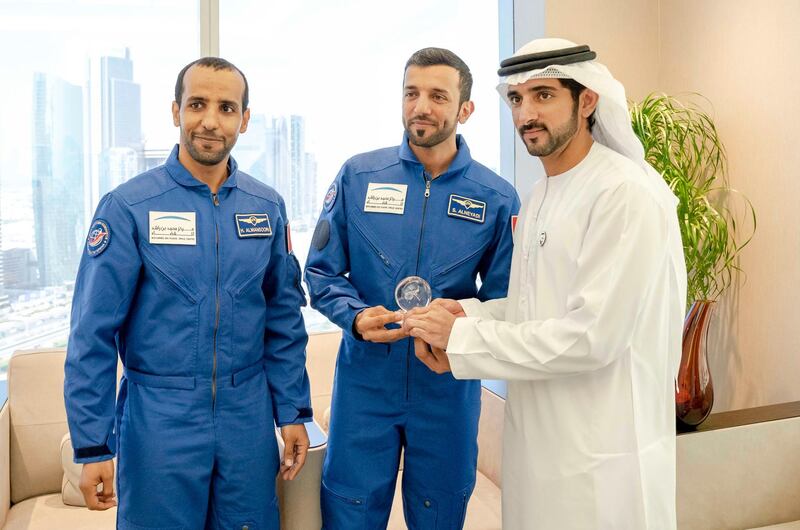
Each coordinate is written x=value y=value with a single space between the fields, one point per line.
x=527 y=112
x=210 y=119
x=422 y=106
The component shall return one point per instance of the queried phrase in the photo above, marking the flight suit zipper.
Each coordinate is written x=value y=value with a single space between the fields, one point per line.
x=215 y=200
x=416 y=269
x=422 y=224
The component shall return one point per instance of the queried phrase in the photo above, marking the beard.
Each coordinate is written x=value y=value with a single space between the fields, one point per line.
x=417 y=135
x=206 y=158
x=556 y=138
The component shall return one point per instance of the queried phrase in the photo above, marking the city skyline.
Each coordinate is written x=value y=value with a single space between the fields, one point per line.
x=304 y=124
x=68 y=177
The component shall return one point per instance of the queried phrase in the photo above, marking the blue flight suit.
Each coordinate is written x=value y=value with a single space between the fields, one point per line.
x=372 y=233
x=200 y=298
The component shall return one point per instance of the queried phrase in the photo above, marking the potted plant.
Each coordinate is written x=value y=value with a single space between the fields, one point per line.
x=681 y=142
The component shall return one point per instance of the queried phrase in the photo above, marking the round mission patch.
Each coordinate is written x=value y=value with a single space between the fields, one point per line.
x=330 y=197
x=99 y=237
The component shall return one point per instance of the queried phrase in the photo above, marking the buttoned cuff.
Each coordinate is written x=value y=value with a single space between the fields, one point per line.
x=458 y=351
x=471 y=306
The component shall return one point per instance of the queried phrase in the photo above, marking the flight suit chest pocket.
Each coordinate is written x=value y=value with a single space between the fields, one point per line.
x=368 y=252
x=162 y=272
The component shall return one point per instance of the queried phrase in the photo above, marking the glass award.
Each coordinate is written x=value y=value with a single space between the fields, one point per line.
x=412 y=292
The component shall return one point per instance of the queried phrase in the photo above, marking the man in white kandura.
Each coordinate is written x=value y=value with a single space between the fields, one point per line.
x=589 y=335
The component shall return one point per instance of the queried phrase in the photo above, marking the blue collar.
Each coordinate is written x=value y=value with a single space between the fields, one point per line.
x=182 y=176
x=462 y=159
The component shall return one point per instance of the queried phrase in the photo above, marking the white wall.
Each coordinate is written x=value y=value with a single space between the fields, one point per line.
x=743 y=57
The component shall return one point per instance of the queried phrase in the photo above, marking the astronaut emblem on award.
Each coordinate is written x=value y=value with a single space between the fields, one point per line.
x=412 y=292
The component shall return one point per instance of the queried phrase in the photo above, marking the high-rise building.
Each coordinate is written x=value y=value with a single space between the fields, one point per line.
x=154 y=157
x=273 y=151
x=57 y=178
x=297 y=171
x=20 y=269
x=280 y=154
x=121 y=129
x=311 y=198
x=251 y=149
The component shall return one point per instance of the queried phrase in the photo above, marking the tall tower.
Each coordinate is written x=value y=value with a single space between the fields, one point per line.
x=279 y=153
x=57 y=177
x=297 y=172
x=121 y=119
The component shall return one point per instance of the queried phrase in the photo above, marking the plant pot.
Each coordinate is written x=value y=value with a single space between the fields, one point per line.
x=694 y=391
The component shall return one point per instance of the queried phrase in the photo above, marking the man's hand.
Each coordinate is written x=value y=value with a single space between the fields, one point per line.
x=432 y=324
x=451 y=305
x=371 y=325
x=296 y=443
x=434 y=358
x=92 y=475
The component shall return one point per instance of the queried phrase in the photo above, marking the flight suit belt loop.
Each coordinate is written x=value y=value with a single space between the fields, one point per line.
x=179 y=382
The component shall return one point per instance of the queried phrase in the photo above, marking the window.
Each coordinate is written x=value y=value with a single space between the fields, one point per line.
x=87 y=88
x=88 y=84
x=325 y=84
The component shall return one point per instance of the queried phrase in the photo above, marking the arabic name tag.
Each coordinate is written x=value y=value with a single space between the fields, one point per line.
x=386 y=198
x=173 y=228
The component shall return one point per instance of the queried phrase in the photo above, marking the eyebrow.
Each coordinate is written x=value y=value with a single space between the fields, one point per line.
x=536 y=88
x=205 y=100
x=437 y=90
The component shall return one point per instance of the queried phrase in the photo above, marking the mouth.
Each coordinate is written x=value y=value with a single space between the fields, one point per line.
x=206 y=138
x=418 y=123
x=532 y=134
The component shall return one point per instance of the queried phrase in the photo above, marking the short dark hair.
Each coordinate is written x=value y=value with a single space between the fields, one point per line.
x=575 y=89
x=217 y=63
x=437 y=56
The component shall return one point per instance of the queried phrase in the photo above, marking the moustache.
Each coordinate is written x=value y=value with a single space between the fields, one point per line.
x=416 y=119
x=530 y=126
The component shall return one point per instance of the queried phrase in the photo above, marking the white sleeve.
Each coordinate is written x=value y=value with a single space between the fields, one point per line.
x=621 y=255
x=492 y=309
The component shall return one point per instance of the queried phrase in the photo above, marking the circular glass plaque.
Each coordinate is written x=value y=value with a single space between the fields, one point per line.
x=412 y=292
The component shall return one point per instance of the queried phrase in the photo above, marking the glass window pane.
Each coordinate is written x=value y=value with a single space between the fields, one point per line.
x=325 y=84
x=88 y=87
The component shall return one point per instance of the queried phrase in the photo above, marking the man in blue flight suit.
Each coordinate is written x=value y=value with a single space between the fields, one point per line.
x=424 y=209
x=188 y=277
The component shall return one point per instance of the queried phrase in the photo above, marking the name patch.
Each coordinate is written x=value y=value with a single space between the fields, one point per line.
x=173 y=228
x=386 y=198
x=466 y=208
x=253 y=225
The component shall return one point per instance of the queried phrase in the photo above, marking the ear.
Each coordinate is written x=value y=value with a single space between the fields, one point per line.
x=176 y=114
x=467 y=108
x=588 y=102
x=245 y=121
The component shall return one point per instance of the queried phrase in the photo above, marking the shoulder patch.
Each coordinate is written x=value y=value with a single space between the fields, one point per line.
x=322 y=234
x=330 y=197
x=99 y=238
